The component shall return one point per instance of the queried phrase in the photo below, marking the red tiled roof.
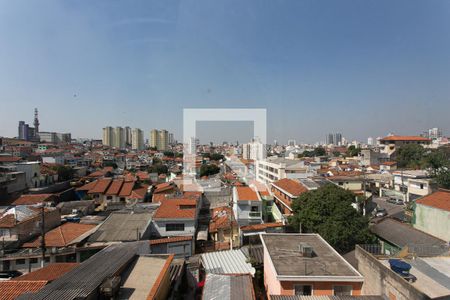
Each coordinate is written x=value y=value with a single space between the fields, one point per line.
x=172 y=239
x=389 y=163
x=61 y=236
x=127 y=188
x=88 y=186
x=406 y=138
x=139 y=193
x=48 y=273
x=162 y=187
x=221 y=219
x=170 y=209
x=101 y=186
x=114 y=188
x=293 y=187
x=9 y=159
x=11 y=289
x=439 y=199
x=245 y=193
x=32 y=199
x=7 y=221
x=261 y=226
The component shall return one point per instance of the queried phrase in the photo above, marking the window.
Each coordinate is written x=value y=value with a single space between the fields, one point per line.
x=20 y=262
x=303 y=290
x=108 y=197
x=175 y=227
x=342 y=290
x=33 y=260
x=421 y=186
x=255 y=208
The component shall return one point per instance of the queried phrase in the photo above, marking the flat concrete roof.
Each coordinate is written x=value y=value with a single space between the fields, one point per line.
x=142 y=277
x=284 y=251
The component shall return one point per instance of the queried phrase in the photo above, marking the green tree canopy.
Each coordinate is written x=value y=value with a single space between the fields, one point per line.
x=410 y=156
x=209 y=169
x=65 y=172
x=169 y=153
x=328 y=212
x=353 y=151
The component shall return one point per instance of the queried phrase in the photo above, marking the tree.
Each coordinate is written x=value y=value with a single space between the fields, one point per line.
x=65 y=173
x=159 y=168
x=216 y=156
x=336 y=153
x=353 y=151
x=328 y=212
x=209 y=169
x=169 y=153
x=410 y=156
x=319 y=151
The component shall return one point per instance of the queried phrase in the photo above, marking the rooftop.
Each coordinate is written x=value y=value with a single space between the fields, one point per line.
x=405 y=138
x=33 y=199
x=401 y=235
x=246 y=193
x=11 y=289
x=226 y=262
x=290 y=186
x=236 y=287
x=177 y=208
x=48 y=273
x=439 y=200
x=122 y=226
x=285 y=255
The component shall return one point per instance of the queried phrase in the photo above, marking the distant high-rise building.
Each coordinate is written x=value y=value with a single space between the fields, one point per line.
x=23 y=130
x=119 y=137
x=137 y=139
x=171 y=139
x=159 y=139
x=108 y=136
x=338 y=139
x=370 y=141
x=330 y=139
x=291 y=143
x=434 y=133
x=128 y=136
x=254 y=150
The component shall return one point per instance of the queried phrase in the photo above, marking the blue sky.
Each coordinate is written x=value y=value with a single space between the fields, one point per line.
x=363 y=68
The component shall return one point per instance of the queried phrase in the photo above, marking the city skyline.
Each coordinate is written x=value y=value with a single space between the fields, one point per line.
x=332 y=64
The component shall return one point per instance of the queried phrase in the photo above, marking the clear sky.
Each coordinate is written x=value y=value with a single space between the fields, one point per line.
x=361 y=67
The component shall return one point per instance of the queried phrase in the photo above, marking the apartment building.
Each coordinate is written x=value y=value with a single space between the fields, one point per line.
x=254 y=150
x=391 y=143
x=108 y=136
x=285 y=191
x=275 y=168
x=159 y=139
x=137 y=139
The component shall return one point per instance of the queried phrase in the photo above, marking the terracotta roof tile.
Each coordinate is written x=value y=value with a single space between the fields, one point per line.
x=114 y=188
x=101 y=186
x=406 y=138
x=7 y=221
x=9 y=159
x=48 y=273
x=173 y=209
x=127 y=188
x=439 y=199
x=11 y=289
x=32 y=199
x=293 y=187
x=246 y=193
x=61 y=236
x=172 y=239
x=88 y=186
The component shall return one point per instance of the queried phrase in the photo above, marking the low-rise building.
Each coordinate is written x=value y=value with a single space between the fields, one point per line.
x=247 y=206
x=285 y=191
x=305 y=264
x=276 y=168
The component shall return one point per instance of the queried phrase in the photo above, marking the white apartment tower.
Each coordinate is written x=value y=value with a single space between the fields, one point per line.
x=254 y=150
x=128 y=137
x=119 y=138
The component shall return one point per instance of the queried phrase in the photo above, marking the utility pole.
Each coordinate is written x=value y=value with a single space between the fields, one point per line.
x=43 y=233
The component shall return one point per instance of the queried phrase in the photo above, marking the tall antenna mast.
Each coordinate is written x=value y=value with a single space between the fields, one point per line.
x=36 y=121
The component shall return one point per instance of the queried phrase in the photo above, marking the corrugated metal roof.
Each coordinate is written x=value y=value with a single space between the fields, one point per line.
x=84 y=280
x=236 y=287
x=227 y=262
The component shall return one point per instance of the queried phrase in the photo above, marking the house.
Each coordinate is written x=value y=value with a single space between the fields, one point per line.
x=423 y=277
x=285 y=191
x=179 y=246
x=247 y=206
x=395 y=236
x=20 y=223
x=432 y=214
x=410 y=185
x=305 y=264
x=176 y=217
x=391 y=143
x=388 y=166
x=250 y=234
x=223 y=228
x=228 y=287
x=61 y=246
x=123 y=226
x=120 y=271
